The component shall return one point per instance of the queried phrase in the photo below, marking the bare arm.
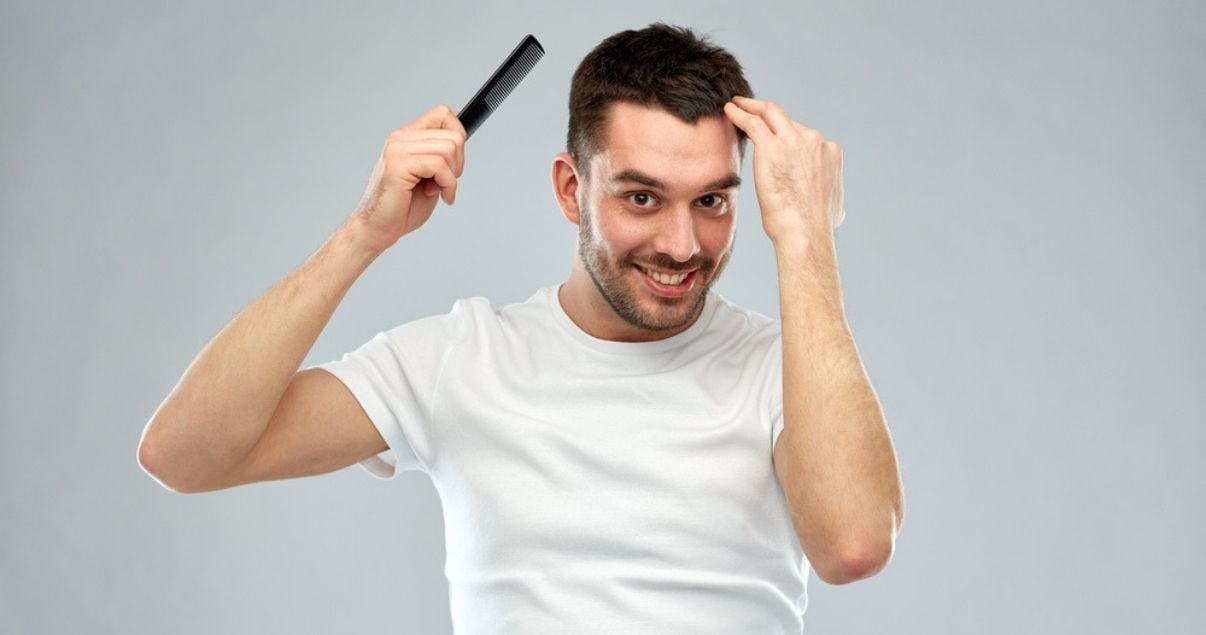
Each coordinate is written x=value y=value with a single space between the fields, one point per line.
x=221 y=406
x=220 y=409
x=834 y=457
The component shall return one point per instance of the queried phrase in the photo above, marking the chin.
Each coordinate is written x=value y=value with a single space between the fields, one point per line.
x=657 y=312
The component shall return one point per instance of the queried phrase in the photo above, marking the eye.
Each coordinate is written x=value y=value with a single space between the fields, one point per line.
x=713 y=201
x=642 y=199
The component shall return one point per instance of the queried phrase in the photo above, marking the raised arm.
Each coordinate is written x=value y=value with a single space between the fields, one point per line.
x=243 y=392
x=834 y=457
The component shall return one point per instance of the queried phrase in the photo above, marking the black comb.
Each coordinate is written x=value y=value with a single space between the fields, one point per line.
x=504 y=80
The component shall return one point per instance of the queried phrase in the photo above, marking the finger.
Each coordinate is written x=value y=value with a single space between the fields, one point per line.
x=751 y=124
x=452 y=136
x=447 y=182
x=776 y=119
x=428 y=133
x=429 y=187
x=458 y=149
x=454 y=124
x=460 y=156
x=440 y=147
x=436 y=168
x=433 y=118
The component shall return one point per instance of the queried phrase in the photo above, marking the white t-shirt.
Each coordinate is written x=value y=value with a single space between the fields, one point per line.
x=592 y=486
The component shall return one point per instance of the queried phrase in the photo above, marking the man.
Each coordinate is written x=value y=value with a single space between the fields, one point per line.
x=625 y=452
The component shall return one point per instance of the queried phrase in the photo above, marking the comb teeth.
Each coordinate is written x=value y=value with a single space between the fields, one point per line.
x=504 y=80
x=511 y=78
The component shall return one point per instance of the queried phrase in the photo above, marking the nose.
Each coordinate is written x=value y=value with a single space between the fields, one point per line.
x=676 y=236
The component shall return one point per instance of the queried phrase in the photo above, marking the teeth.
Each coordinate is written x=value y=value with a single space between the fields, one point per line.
x=665 y=279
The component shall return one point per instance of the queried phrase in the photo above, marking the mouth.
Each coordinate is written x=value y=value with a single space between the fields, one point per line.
x=668 y=285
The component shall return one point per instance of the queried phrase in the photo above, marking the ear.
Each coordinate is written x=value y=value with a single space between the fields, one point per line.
x=565 y=185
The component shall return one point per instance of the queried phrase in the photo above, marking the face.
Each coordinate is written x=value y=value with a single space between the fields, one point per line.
x=656 y=225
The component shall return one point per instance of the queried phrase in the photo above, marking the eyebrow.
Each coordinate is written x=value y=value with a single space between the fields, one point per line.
x=636 y=176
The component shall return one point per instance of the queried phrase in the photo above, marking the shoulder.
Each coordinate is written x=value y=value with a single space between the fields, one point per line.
x=742 y=326
x=749 y=339
x=480 y=316
x=439 y=329
x=743 y=337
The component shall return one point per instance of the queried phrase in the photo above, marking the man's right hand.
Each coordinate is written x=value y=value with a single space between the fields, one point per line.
x=420 y=162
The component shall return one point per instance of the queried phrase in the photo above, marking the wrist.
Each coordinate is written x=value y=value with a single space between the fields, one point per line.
x=809 y=264
x=357 y=236
x=805 y=248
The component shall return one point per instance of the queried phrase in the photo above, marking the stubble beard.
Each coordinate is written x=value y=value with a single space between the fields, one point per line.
x=611 y=282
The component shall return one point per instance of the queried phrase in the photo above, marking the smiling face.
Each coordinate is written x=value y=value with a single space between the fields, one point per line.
x=655 y=221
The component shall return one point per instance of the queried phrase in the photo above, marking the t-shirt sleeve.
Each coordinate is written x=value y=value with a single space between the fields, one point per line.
x=394 y=376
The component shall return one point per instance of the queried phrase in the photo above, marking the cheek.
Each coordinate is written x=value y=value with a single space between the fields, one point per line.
x=619 y=238
x=718 y=236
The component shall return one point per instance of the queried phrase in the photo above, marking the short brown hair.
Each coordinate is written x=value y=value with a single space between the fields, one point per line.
x=661 y=65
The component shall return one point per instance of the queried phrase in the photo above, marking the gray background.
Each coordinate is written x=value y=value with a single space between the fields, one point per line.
x=1022 y=262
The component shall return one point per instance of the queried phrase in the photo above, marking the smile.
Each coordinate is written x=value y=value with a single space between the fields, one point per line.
x=670 y=285
x=663 y=278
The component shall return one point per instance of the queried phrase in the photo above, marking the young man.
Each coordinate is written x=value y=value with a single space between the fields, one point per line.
x=624 y=452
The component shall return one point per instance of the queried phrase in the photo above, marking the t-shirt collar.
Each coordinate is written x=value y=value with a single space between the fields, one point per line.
x=655 y=347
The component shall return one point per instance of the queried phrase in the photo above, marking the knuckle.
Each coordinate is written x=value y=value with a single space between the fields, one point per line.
x=395 y=135
x=392 y=166
x=424 y=161
x=392 y=151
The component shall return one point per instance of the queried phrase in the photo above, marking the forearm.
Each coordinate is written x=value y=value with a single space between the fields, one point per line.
x=838 y=466
x=220 y=407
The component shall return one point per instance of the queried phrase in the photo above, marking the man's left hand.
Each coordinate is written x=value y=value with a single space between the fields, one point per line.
x=797 y=173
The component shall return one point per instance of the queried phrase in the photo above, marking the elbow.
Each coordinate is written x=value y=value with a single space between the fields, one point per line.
x=857 y=562
x=147 y=457
x=150 y=461
x=862 y=558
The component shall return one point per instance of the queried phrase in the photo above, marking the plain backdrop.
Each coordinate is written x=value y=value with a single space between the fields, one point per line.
x=1022 y=261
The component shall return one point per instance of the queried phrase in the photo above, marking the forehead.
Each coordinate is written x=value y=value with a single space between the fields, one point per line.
x=655 y=142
